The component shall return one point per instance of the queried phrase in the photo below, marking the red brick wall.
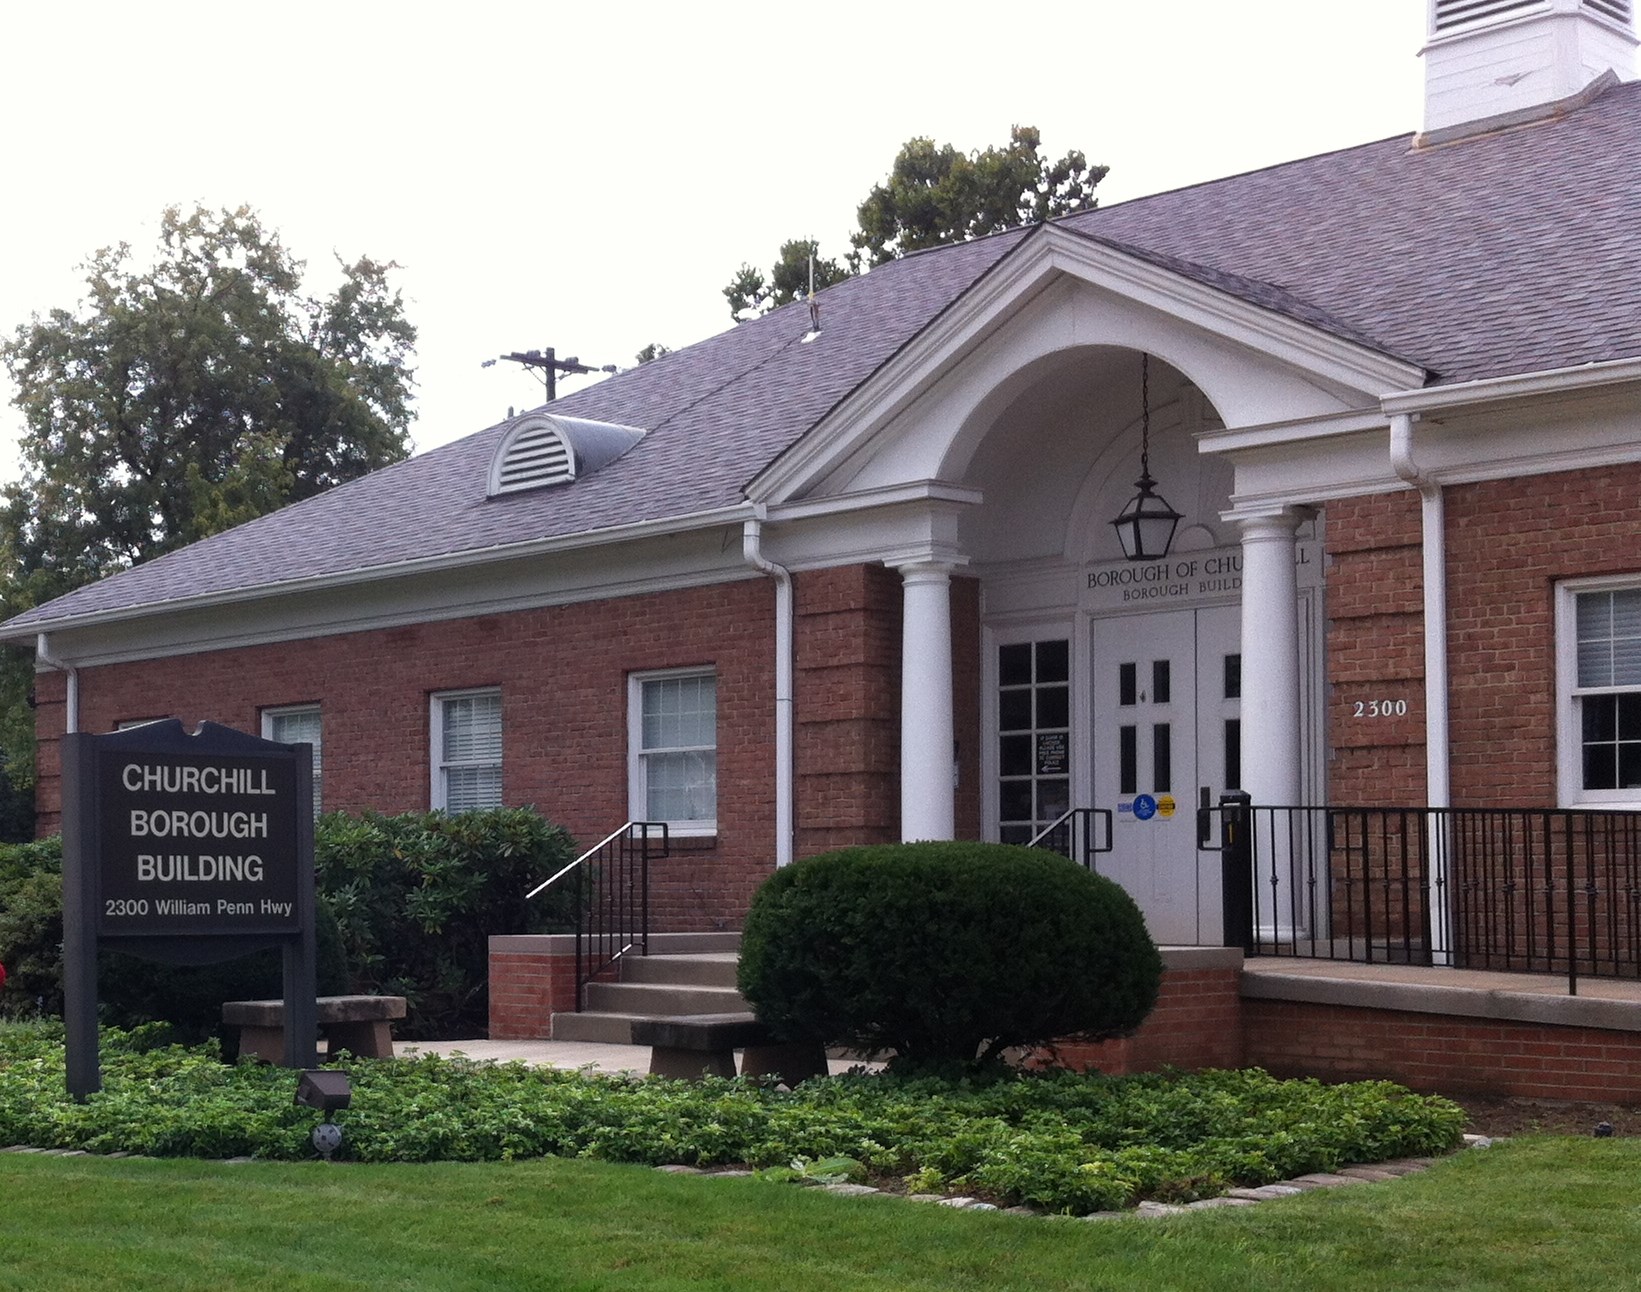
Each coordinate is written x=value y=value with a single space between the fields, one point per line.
x=563 y=676
x=526 y=990
x=1197 y=1023
x=848 y=707
x=1509 y=542
x=1443 y=1053
x=1375 y=646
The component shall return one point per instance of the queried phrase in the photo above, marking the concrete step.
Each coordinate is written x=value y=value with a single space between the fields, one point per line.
x=661 y=999
x=691 y=943
x=702 y=969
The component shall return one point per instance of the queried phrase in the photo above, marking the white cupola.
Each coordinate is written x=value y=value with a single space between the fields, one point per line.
x=1494 y=63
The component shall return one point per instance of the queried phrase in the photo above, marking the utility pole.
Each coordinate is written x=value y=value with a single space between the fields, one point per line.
x=549 y=365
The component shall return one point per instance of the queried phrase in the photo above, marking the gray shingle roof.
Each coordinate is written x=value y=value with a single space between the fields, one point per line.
x=1509 y=253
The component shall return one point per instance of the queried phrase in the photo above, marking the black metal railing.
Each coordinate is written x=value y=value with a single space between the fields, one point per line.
x=610 y=895
x=1082 y=834
x=1520 y=890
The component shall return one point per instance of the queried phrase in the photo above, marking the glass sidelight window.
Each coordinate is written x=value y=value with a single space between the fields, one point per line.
x=1034 y=736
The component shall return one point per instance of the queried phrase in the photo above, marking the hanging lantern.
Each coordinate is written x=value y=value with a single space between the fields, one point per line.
x=1146 y=526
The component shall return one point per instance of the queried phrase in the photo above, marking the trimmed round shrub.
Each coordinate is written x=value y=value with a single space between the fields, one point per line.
x=946 y=952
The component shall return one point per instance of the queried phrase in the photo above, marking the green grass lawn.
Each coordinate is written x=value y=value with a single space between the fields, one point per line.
x=1530 y=1214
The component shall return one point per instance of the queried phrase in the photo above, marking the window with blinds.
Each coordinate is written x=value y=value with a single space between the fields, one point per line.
x=293 y=726
x=674 y=730
x=467 y=750
x=1608 y=688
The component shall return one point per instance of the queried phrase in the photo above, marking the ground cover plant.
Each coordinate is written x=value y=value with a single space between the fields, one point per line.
x=920 y=950
x=1058 y=1141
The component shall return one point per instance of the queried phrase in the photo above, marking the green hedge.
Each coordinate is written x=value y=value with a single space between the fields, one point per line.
x=407 y=906
x=946 y=952
x=131 y=990
x=418 y=896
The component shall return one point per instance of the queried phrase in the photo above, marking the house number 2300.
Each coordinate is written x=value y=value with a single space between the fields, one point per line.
x=1381 y=708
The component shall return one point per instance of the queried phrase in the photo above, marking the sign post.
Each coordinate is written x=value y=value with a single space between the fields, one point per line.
x=189 y=849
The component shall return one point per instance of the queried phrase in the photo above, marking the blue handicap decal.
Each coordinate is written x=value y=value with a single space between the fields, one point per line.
x=1145 y=807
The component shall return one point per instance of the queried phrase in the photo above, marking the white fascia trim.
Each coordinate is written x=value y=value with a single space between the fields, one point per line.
x=882 y=496
x=371 y=622
x=1493 y=390
x=1280 y=434
x=1310 y=497
x=735 y=515
x=1009 y=285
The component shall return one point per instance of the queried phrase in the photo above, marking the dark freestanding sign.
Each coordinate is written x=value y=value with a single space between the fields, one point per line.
x=188 y=848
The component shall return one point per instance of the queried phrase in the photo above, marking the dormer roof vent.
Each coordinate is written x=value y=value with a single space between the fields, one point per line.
x=1495 y=63
x=543 y=449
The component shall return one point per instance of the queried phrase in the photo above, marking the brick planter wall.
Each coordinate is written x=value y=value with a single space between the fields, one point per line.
x=1443 y=1052
x=531 y=979
x=1197 y=1022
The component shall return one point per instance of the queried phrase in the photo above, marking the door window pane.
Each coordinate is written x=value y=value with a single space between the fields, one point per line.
x=1034 y=736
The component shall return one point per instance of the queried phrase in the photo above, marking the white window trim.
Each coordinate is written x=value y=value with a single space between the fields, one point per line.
x=269 y=716
x=437 y=793
x=637 y=782
x=1569 y=731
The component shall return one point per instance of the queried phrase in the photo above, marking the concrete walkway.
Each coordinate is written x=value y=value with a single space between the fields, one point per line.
x=572 y=1055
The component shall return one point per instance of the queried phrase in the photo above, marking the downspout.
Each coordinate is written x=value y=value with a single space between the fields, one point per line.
x=752 y=551
x=1438 y=786
x=42 y=652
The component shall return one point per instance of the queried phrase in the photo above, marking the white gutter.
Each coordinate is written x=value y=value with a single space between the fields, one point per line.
x=752 y=550
x=42 y=652
x=1438 y=766
x=1490 y=390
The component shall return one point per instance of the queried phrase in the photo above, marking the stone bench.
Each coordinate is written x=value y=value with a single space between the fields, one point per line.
x=692 y=1046
x=357 y=1024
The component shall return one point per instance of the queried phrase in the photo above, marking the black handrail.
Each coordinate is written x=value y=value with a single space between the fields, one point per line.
x=1074 y=836
x=611 y=898
x=1530 y=890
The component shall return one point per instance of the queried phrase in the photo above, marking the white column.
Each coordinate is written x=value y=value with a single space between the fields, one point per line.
x=926 y=732
x=1270 y=718
x=1270 y=659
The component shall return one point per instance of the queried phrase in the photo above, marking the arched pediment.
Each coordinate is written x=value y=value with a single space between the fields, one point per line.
x=1056 y=310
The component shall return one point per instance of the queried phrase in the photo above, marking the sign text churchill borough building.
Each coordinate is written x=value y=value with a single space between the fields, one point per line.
x=191 y=842
x=189 y=848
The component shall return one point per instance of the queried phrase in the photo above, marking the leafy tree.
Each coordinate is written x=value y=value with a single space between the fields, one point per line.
x=933 y=195
x=749 y=293
x=183 y=398
x=654 y=350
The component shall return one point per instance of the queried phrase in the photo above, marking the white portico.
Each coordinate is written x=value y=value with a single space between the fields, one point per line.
x=1105 y=683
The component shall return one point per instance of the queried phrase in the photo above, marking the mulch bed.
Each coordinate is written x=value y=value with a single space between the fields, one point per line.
x=1500 y=1116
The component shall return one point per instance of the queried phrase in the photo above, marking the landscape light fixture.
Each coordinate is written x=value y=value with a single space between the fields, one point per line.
x=327 y=1091
x=1146 y=526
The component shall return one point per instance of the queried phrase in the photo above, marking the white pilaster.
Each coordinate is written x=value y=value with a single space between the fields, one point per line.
x=926 y=730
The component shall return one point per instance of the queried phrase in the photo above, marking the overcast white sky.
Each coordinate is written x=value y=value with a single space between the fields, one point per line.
x=589 y=176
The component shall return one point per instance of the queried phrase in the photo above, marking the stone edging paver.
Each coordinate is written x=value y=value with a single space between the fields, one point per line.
x=1346 y=1175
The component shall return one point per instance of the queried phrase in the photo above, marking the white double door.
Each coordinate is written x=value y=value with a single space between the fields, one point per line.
x=1166 y=728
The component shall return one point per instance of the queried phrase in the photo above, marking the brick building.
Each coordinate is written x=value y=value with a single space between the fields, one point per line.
x=851 y=574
